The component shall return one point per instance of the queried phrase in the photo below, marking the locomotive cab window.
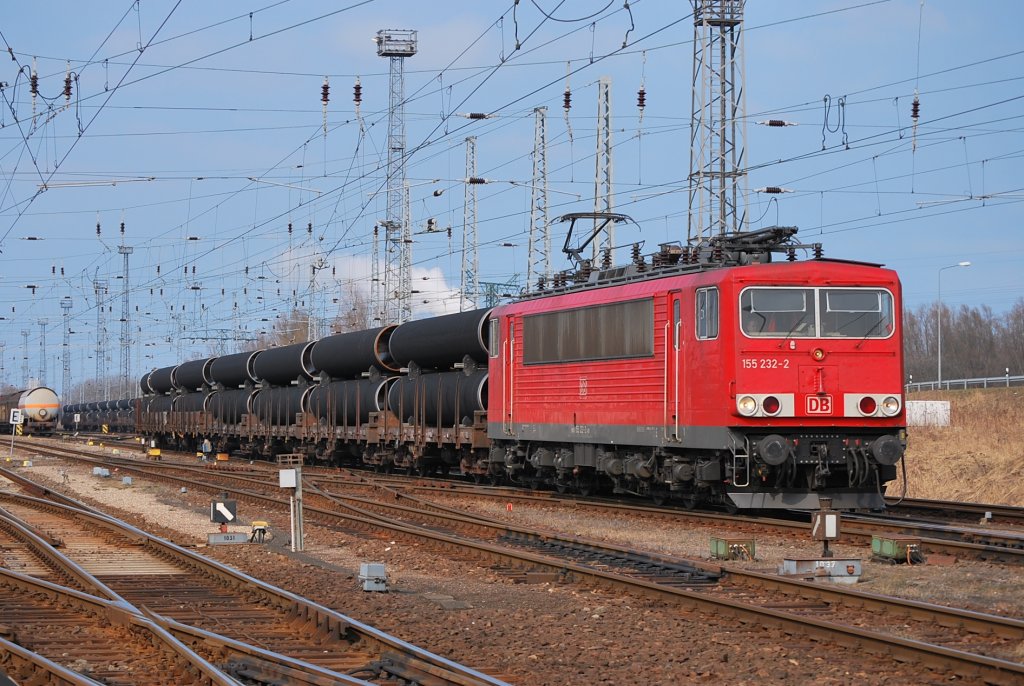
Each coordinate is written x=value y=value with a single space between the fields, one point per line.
x=707 y=313
x=855 y=313
x=777 y=312
x=768 y=312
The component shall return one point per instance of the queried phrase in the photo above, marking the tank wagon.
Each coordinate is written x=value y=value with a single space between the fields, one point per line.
x=40 y=410
x=707 y=375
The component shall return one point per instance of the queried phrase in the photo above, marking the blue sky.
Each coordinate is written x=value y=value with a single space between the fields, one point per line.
x=187 y=123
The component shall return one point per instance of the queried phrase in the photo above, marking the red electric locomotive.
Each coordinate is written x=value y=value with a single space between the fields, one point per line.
x=724 y=378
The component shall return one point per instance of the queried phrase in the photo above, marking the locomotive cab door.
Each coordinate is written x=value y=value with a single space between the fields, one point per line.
x=673 y=334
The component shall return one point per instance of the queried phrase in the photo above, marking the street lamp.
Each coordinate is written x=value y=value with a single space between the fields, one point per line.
x=938 y=313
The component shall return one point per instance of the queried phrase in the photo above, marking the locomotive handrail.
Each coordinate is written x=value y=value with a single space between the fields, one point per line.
x=664 y=392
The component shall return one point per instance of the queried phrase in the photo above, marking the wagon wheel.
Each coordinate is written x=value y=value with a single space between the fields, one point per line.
x=561 y=487
x=659 y=495
x=690 y=500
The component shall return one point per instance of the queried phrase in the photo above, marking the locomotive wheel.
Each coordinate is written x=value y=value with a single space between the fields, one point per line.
x=660 y=496
x=690 y=501
x=561 y=487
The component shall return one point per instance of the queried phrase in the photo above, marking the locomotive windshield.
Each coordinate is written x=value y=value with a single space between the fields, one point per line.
x=816 y=313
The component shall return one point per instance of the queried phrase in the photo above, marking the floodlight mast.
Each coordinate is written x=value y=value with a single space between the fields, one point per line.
x=396 y=44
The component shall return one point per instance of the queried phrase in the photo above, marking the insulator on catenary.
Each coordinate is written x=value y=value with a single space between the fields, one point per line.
x=357 y=92
x=325 y=92
x=641 y=98
x=289 y=228
x=97 y=228
x=915 y=109
x=567 y=99
x=67 y=83
x=777 y=123
x=309 y=228
x=33 y=83
x=773 y=190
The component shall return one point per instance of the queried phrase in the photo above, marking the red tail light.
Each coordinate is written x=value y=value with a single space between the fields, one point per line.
x=868 y=405
x=771 y=405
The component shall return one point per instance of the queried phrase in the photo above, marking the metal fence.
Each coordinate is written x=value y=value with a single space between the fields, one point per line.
x=961 y=384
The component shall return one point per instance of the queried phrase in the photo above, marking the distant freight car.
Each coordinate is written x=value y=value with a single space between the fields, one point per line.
x=40 y=410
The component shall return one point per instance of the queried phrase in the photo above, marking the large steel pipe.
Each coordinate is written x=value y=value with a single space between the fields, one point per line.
x=439 y=342
x=232 y=371
x=229 y=406
x=444 y=399
x=347 y=355
x=159 y=403
x=281 y=366
x=193 y=402
x=125 y=403
x=348 y=402
x=278 y=406
x=162 y=380
x=193 y=375
x=144 y=383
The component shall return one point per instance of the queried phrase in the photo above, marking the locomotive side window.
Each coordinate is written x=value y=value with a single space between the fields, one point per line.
x=494 y=337
x=603 y=332
x=676 y=317
x=855 y=313
x=778 y=312
x=707 y=313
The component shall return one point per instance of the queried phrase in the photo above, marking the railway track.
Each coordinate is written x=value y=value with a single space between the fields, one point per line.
x=212 y=605
x=976 y=542
x=968 y=643
x=944 y=510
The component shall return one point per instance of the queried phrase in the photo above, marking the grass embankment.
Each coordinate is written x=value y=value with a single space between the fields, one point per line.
x=979 y=457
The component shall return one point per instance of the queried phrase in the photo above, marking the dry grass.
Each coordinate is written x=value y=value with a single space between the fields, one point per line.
x=978 y=458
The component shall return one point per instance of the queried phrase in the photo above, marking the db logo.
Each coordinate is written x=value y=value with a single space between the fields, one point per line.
x=819 y=404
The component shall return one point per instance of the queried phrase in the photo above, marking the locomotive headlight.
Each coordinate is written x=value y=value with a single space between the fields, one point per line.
x=771 y=405
x=746 y=405
x=890 y=406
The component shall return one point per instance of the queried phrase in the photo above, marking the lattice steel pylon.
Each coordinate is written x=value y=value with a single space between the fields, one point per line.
x=717 y=126
x=99 y=289
x=538 y=259
x=43 y=323
x=396 y=44
x=470 y=287
x=603 y=166
x=65 y=355
x=376 y=314
x=125 y=383
x=24 y=357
